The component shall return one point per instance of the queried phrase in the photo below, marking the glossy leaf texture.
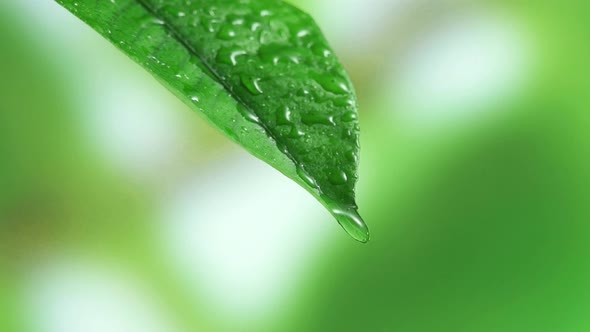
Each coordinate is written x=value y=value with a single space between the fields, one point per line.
x=260 y=71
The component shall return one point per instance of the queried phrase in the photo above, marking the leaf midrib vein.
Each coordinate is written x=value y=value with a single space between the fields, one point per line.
x=212 y=73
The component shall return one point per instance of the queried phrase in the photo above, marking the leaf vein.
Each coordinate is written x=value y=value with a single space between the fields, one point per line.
x=212 y=73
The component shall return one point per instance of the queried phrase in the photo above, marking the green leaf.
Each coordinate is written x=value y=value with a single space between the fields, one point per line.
x=260 y=71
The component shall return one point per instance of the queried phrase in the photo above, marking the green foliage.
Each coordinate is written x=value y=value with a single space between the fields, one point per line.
x=261 y=72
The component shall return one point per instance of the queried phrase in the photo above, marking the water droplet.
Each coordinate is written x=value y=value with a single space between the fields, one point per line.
x=277 y=53
x=181 y=14
x=306 y=177
x=320 y=50
x=211 y=24
x=248 y=114
x=343 y=102
x=318 y=118
x=338 y=177
x=195 y=99
x=296 y=132
x=157 y=21
x=230 y=55
x=352 y=223
x=349 y=116
x=154 y=59
x=280 y=30
x=346 y=133
x=237 y=21
x=334 y=84
x=251 y=84
x=265 y=12
x=255 y=26
x=303 y=92
x=352 y=156
x=284 y=116
x=226 y=32
x=303 y=33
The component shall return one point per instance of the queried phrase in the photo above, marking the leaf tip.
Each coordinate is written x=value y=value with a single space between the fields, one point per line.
x=352 y=223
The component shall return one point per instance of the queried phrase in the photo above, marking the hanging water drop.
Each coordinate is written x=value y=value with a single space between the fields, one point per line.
x=352 y=223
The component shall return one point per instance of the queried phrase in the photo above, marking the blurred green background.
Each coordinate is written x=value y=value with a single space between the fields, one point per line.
x=121 y=210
